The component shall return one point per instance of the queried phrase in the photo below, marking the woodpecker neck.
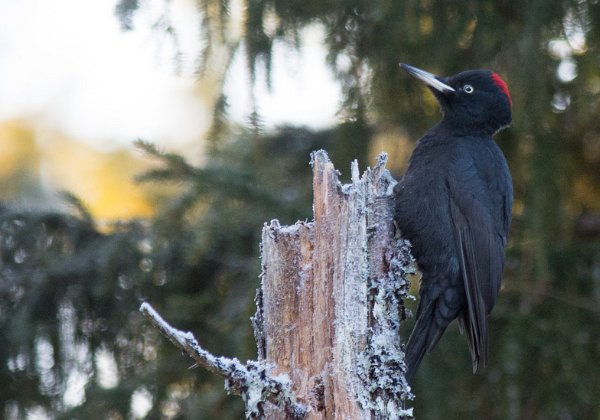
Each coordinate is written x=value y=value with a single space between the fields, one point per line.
x=462 y=120
x=464 y=126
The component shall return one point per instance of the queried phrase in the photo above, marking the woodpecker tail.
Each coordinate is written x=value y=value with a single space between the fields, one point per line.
x=425 y=335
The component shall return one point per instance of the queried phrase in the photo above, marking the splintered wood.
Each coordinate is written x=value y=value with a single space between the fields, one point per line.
x=330 y=302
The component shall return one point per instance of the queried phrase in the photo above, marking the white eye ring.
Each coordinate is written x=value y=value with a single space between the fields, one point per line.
x=468 y=88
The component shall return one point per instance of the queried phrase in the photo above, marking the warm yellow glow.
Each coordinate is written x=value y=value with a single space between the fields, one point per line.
x=18 y=148
x=39 y=160
x=426 y=25
x=103 y=181
x=585 y=195
x=396 y=144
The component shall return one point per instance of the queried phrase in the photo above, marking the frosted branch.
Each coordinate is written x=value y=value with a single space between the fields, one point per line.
x=251 y=380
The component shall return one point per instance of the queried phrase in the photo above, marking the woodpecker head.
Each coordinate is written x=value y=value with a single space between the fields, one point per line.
x=476 y=100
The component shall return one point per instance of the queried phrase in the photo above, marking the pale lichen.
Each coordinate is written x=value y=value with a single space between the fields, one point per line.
x=381 y=366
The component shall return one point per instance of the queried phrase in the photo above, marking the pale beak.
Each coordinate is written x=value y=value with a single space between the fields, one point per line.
x=430 y=79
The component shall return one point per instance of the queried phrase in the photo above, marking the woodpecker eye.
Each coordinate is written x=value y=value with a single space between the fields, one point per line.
x=468 y=88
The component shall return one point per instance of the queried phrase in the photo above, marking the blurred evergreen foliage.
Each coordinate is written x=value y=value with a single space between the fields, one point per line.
x=69 y=291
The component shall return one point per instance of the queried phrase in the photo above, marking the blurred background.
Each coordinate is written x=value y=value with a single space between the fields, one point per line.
x=145 y=142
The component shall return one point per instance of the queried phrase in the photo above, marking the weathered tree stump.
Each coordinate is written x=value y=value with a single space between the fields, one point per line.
x=330 y=303
x=329 y=309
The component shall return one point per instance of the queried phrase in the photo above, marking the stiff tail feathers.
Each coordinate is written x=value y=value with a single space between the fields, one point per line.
x=478 y=342
x=425 y=335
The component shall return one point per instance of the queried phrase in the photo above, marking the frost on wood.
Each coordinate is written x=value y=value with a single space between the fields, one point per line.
x=329 y=309
x=381 y=365
x=330 y=302
x=252 y=381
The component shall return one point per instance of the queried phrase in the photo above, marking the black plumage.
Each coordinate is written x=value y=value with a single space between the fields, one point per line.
x=454 y=204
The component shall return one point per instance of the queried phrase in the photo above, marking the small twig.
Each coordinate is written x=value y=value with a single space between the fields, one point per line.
x=186 y=342
x=252 y=381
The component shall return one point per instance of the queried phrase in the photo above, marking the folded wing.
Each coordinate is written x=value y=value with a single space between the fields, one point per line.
x=478 y=215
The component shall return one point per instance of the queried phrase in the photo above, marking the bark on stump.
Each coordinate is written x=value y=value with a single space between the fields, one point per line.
x=329 y=309
x=330 y=303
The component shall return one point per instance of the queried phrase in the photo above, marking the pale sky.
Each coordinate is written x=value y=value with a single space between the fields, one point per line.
x=67 y=65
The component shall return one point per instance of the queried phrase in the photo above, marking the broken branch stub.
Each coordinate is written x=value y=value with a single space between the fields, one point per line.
x=330 y=303
x=251 y=381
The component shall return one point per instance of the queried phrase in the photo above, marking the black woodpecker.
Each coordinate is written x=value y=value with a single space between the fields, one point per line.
x=454 y=205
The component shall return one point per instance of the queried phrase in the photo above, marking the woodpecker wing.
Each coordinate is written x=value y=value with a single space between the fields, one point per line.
x=478 y=211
